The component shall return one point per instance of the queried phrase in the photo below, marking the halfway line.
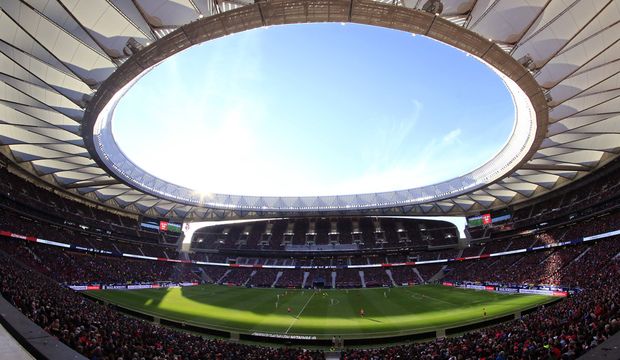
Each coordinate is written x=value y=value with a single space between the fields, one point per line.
x=302 y=310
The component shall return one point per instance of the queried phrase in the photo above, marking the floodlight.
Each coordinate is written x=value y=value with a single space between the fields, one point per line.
x=132 y=47
x=433 y=7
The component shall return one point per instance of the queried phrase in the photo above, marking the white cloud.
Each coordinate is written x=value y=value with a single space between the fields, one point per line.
x=452 y=137
x=389 y=141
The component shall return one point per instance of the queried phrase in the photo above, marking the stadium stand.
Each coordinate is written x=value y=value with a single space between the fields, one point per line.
x=76 y=268
x=99 y=332
x=568 y=328
x=552 y=258
x=372 y=233
x=562 y=331
x=588 y=318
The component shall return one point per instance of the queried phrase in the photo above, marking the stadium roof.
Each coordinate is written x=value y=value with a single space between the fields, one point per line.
x=54 y=55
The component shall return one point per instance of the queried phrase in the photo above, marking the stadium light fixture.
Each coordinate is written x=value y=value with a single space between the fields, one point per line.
x=548 y=98
x=433 y=7
x=527 y=62
x=132 y=47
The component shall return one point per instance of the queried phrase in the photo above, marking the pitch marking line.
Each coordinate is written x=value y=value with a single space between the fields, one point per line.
x=336 y=302
x=424 y=297
x=302 y=310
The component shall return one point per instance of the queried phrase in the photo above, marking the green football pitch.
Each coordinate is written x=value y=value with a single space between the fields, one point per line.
x=324 y=313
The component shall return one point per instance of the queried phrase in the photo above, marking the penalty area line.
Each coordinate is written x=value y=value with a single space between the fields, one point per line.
x=302 y=310
x=424 y=297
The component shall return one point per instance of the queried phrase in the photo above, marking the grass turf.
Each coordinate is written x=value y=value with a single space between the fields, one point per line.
x=388 y=312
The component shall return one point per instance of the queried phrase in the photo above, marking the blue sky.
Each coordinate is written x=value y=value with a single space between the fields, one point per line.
x=316 y=109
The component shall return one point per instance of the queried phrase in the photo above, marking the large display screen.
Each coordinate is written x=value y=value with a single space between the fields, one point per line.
x=476 y=221
x=169 y=226
x=160 y=225
x=149 y=224
x=488 y=219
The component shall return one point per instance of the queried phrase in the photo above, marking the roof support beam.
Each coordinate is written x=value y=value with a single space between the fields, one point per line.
x=91 y=184
x=556 y=167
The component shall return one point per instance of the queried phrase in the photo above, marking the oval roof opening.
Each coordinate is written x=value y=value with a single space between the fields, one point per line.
x=314 y=109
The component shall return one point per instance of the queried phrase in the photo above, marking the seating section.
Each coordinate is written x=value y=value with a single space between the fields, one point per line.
x=77 y=268
x=13 y=221
x=587 y=318
x=367 y=233
x=45 y=205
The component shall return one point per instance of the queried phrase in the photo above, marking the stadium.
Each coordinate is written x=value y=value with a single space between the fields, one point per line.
x=129 y=229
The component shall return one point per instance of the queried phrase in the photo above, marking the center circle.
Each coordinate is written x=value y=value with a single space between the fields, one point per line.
x=314 y=109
